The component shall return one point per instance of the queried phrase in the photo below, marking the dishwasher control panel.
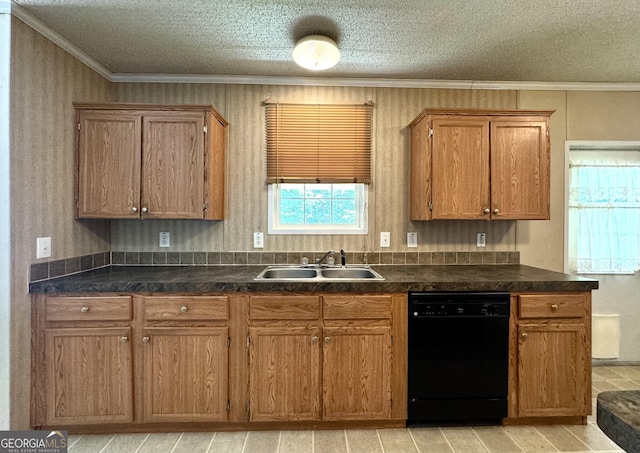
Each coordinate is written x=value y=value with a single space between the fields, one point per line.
x=446 y=305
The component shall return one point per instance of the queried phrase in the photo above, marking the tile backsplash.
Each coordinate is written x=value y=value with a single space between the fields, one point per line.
x=68 y=266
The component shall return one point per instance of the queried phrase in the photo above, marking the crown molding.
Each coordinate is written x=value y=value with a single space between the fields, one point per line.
x=43 y=29
x=54 y=37
x=374 y=82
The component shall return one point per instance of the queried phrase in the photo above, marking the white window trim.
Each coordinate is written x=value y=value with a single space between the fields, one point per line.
x=584 y=145
x=275 y=228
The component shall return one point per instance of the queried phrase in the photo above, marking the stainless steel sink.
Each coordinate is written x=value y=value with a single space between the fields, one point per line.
x=319 y=273
x=353 y=273
x=288 y=273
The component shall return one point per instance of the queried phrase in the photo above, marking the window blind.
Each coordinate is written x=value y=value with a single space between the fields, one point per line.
x=318 y=143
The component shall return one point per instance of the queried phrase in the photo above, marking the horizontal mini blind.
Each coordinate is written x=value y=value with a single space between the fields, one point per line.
x=318 y=143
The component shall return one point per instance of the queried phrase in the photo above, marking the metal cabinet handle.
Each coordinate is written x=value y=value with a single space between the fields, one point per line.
x=123 y=339
x=134 y=209
x=554 y=307
x=144 y=210
x=496 y=211
x=84 y=309
x=327 y=340
x=184 y=309
x=524 y=335
x=314 y=339
x=487 y=211
x=145 y=339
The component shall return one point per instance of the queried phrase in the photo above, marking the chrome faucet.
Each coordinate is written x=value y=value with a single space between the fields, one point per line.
x=318 y=261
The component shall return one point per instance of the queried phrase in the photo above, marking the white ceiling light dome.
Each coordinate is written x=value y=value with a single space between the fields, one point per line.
x=316 y=52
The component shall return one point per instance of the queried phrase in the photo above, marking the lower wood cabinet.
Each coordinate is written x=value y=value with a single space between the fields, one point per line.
x=117 y=361
x=284 y=374
x=356 y=373
x=334 y=349
x=87 y=375
x=89 y=378
x=551 y=354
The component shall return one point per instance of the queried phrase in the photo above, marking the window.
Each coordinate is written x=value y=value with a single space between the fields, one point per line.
x=604 y=210
x=318 y=167
x=317 y=209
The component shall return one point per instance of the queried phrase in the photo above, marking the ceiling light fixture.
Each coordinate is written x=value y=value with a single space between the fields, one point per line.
x=316 y=52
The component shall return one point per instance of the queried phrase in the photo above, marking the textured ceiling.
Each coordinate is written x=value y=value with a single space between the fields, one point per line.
x=484 y=40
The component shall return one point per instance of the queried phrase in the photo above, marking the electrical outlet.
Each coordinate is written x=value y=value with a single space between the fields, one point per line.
x=412 y=239
x=165 y=239
x=258 y=240
x=44 y=248
x=481 y=240
x=385 y=239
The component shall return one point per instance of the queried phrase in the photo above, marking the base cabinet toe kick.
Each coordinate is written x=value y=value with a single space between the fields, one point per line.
x=156 y=362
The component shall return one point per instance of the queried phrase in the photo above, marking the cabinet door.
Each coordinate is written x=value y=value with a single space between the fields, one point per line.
x=519 y=170
x=173 y=165
x=285 y=373
x=460 y=168
x=88 y=376
x=109 y=164
x=356 y=373
x=551 y=370
x=185 y=374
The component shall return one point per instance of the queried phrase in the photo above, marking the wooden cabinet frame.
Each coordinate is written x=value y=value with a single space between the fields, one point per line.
x=550 y=357
x=215 y=333
x=149 y=161
x=480 y=164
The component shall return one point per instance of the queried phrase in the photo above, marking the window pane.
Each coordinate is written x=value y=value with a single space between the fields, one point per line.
x=344 y=212
x=344 y=191
x=318 y=211
x=292 y=211
x=318 y=190
x=317 y=208
x=292 y=191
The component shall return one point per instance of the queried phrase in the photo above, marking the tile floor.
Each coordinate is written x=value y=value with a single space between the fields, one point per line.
x=476 y=439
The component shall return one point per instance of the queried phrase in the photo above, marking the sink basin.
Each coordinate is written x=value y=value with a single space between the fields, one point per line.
x=319 y=273
x=289 y=272
x=354 y=273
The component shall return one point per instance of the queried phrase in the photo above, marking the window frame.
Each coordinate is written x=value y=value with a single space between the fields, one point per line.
x=587 y=145
x=362 y=207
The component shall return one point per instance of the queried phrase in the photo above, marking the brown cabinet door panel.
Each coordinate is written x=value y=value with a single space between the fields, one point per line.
x=284 y=374
x=89 y=376
x=356 y=373
x=185 y=374
x=173 y=165
x=519 y=170
x=551 y=370
x=109 y=164
x=460 y=168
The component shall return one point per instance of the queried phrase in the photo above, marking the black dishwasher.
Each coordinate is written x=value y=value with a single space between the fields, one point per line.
x=458 y=356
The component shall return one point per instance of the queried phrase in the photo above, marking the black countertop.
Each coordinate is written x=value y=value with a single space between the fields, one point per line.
x=239 y=278
x=619 y=418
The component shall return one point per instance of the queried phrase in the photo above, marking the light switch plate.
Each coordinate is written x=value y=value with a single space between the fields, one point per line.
x=412 y=239
x=481 y=240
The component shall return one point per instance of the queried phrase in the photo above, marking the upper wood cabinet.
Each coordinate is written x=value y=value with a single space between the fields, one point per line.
x=480 y=164
x=144 y=161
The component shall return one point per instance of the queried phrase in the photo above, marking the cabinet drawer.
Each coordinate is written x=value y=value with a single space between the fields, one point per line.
x=186 y=308
x=357 y=307
x=116 y=308
x=552 y=305
x=285 y=307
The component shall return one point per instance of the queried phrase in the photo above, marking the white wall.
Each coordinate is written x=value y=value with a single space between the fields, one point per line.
x=5 y=218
